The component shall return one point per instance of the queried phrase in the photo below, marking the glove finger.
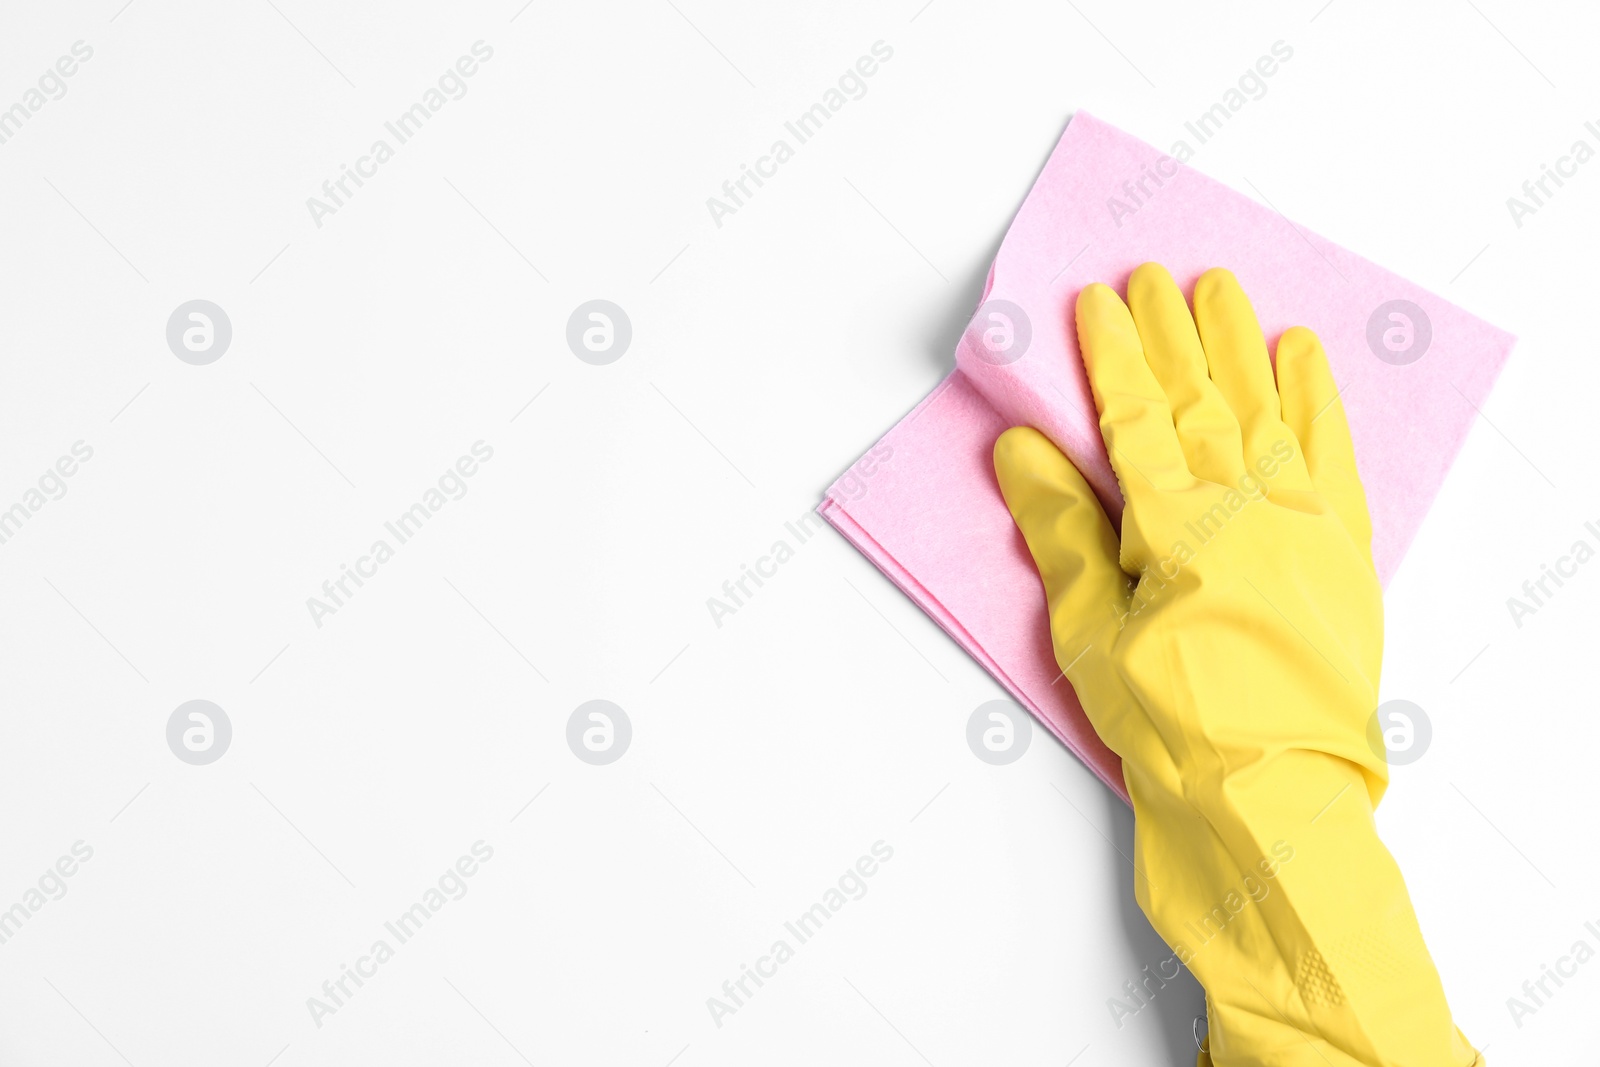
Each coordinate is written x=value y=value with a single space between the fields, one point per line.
x=1207 y=430
x=1135 y=420
x=1075 y=551
x=1237 y=355
x=1315 y=415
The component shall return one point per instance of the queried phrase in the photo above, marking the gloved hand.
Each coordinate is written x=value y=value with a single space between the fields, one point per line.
x=1227 y=647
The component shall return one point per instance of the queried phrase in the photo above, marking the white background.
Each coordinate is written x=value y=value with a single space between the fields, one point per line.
x=767 y=354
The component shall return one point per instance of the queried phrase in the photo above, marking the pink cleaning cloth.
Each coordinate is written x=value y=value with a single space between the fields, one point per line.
x=923 y=504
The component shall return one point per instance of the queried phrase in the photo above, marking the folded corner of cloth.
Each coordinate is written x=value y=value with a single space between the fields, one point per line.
x=922 y=504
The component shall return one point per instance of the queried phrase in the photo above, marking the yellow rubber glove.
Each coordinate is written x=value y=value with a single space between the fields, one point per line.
x=1227 y=647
